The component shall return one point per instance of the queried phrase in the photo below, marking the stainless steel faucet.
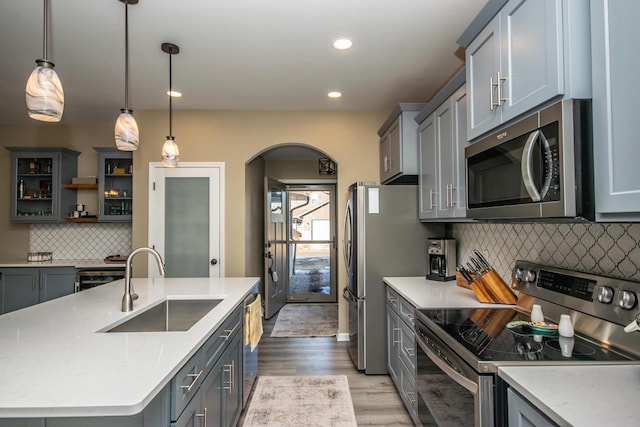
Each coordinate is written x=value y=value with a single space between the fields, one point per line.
x=129 y=296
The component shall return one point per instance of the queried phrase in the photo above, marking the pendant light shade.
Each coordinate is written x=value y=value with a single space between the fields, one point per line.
x=170 y=151
x=44 y=95
x=126 y=129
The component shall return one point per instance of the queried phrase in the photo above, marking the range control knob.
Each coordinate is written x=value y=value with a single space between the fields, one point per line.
x=627 y=300
x=605 y=294
x=529 y=276
x=518 y=274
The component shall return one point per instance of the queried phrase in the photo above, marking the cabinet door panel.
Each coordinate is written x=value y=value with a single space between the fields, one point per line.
x=615 y=96
x=20 y=288
x=483 y=63
x=233 y=396
x=458 y=166
x=428 y=168
x=395 y=147
x=56 y=282
x=393 y=345
x=385 y=158
x=444 y=137
x=531 y=58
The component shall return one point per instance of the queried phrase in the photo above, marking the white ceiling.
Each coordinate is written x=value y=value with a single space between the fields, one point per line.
x=234 y=54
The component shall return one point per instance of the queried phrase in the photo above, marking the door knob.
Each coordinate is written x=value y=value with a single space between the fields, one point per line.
x=214 y=261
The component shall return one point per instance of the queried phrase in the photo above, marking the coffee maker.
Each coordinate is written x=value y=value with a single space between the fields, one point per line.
x=442 y=258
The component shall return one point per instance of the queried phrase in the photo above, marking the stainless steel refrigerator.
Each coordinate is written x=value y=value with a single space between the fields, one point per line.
x=382 y=237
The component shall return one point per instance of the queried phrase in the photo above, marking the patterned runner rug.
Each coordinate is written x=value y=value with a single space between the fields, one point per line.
x=306 y=320
x=320 y=401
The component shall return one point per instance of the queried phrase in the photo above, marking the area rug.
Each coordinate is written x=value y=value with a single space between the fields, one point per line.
x=322 y=400
x=306 y=320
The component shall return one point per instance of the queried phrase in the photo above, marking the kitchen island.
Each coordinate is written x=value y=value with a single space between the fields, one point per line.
x=56 y=361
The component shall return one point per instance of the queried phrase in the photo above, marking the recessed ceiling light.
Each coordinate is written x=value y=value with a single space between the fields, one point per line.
x=334 y=94
x=342 y=44
x=174 y=93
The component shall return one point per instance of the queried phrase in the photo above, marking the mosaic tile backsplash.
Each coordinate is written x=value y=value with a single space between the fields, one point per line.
x=605 y=249
x=81 y=241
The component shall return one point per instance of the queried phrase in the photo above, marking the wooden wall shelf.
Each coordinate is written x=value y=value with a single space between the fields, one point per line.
x=86 y=219
x=82 y=186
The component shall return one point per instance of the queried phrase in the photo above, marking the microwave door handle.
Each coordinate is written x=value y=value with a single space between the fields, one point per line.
x=527 y=166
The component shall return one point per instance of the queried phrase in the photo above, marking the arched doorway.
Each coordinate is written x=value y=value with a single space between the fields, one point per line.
x=307 y=199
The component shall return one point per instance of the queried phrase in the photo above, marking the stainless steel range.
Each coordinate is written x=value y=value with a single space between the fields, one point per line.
x=460 y=350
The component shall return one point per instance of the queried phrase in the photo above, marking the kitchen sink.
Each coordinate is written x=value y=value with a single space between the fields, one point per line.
x=169 y=315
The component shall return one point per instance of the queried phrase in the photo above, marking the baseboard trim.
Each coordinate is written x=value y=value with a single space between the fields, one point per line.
x=342 y=336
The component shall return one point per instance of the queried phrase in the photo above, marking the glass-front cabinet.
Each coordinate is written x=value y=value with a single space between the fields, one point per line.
x=115 y=183
x=37 y=178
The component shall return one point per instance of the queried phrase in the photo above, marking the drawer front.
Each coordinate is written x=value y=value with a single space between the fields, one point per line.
x=191 y=416
x=185 y=384
x=409 y=392
x=216 y=344
x=406 y=312
x=408 y=346
x=393 y=300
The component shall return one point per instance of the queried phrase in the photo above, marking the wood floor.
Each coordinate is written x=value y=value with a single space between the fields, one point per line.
x=375 y=398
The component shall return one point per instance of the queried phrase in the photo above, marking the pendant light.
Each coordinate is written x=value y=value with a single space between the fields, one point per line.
x=44 y=94
x=170 y=152
x=126 y=129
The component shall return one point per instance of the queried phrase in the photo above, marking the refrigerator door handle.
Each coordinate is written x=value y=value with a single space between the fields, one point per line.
x=346 y=293
x=347 y=235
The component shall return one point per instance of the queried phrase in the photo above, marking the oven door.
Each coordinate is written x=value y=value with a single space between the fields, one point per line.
x=450 y=392
x=511 y=175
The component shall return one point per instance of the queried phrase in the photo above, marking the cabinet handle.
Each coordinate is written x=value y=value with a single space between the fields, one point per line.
x=195 y=380
x=229 y=332
x=33 y=283
x=386 y=164
x=229 y=368
x=409 y=316
x=410 y=352
x=203 y=416
x=451 y=195
x=391 y=300
x=431 y=193
x=499 y=86
x=447 y=196
x=409 y=394
x=393 y=336
x=491 y=104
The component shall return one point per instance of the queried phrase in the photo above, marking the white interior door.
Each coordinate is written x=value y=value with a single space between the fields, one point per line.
x=186 y=218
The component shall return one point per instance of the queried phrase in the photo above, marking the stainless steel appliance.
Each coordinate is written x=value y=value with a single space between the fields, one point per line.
x=459 y=350
x=87 y=278
x=382 y=237
x=441 y=259
x=538 y=167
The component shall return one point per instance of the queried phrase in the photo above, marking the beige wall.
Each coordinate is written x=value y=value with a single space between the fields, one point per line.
x=232 y=137
x=254 y=219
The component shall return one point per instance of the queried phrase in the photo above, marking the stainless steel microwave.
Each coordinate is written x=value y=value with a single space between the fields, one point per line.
x=539 y=167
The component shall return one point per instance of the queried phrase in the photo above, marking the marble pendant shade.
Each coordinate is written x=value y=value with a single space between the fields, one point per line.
x=126 y=131
x=170 y=153
x=44 y=94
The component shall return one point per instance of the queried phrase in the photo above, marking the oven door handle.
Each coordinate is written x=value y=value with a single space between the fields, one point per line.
x=526 y=167
x=453 y=374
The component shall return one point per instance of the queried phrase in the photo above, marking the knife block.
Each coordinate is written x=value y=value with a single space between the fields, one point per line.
x=490 y=288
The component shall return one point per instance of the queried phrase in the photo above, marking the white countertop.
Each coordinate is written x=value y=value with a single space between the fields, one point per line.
x=77 y=263
x=54 y=363
x=580 y=396
x=423 y=293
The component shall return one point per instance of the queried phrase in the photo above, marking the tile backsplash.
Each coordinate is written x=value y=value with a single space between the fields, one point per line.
x=81 y=241
x=605 y=249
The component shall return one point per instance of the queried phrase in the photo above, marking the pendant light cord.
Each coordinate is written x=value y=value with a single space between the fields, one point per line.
x=126 y=55
x=46 y=24
x=170 y=96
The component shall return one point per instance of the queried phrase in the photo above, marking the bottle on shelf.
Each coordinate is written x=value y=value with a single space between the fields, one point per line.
x=21 y=188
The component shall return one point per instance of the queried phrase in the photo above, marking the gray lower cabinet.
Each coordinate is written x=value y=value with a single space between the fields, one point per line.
x=22 y=287
x=614 y=30
x=207 y=391
x=523 y=414
x=401 y=350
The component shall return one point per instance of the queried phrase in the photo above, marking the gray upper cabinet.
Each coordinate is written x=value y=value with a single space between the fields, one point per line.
x=37 y=178
x=530 y=52
x=441 y=141
x=399 y=145
x=115 y=184
x=615 y=34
